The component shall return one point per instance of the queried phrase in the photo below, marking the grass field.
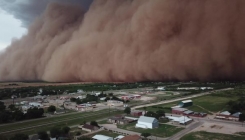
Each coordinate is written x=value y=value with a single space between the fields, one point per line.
x=211 y=136
x=206 y=104
x=164 y=130
x=47 y=123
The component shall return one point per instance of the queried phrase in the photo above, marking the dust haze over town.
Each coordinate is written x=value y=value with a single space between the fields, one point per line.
x=130 y=41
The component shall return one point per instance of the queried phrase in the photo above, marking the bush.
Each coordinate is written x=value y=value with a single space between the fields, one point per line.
x=78 y=133
x=51 y=109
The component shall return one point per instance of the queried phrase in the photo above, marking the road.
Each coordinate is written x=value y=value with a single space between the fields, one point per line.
x=185 y=131
x=179 y=99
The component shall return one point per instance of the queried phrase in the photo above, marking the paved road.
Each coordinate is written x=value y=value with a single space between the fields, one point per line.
x=184 y=98
x=185 y=131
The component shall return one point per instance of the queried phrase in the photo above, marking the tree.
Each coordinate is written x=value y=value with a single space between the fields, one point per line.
x=54 y=132
x=5 y=116
x=66 y=130
x=145 y=135
x=34 y=113
x=20 y=137
x=43 y=135
x=51 y=109
x=2 y=106
x=160 y=113
x=94 y=123
x=17 y=115
x=84 y=138
x=12 y=107
x=3 y=137
x=127 y=110
x=152 y=114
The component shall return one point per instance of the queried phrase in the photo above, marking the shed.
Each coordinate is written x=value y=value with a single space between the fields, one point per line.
x=186 y=103
x=188 y=112
x=147 y=122
x=137 y=113
x=178 y=110
x=101 y=137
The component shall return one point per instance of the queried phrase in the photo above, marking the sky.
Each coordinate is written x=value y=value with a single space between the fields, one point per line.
x=17 y=15
x=10 y=28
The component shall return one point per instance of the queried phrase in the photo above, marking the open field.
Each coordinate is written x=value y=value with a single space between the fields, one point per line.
x=33 y=126
x=201 y=135
x=207 y=104
x=164 y=130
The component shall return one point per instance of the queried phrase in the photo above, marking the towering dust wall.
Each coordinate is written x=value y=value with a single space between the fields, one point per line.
x=132 y=40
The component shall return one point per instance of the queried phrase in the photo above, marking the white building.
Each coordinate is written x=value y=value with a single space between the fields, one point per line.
x=147 y=122
x=160 y=88
x=180 y=120
x=101 y=137
x=35 y=104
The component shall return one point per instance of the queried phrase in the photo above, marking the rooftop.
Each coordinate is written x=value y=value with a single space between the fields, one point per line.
x=146 y=119
x=179 y=109
x=186 y=101
x=131 y=137
x=101 y=137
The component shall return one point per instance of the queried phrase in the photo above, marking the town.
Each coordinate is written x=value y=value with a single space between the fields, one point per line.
x=134 y=111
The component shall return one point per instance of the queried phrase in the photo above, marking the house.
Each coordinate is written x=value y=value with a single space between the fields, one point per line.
x=178 y=110
x=136 y=113
x=180 y=120
x=39 y=97
x=185 y=103
x=147 y=122
x=101 y=137
x=132 y=137
x=88 y=127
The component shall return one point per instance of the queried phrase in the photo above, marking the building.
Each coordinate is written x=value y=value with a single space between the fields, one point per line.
x=88 y=127
x=35 y=104
x=178 y=110
x=147 y=122
x=132 y=137
x=137 y=113
x=160 y=88
x=228 y=116
x=130 y=97
x=114 y=103
x=101 y=137
x=188 y=88
x=185 y=103
x=122 y=119
x=39 y=97
x=119 y=137
x=180 y=120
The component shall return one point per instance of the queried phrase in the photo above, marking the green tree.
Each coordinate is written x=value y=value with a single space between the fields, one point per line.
x=66 y=130
x=84 y=138
x=12 y=107
x=51 y=109
x=54 y=132
x=127 y=110
x=20 y=137
x=5 y=116
x=2 y=106
x=43 y=135
x=94 y=123
x=145 y=135
x=3 y=137
x=160 y=113
x=17 y=115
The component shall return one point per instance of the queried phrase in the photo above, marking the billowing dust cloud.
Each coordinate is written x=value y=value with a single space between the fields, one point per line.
x=132 y=40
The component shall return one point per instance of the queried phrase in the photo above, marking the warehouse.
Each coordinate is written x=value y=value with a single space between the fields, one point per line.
x=147 y=122
x=180 y=120
x=185 y=103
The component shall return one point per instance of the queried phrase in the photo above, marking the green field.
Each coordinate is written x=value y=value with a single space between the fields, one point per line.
x=206 y=104
x=201 y=135
x=164 y=130
x=47 y=123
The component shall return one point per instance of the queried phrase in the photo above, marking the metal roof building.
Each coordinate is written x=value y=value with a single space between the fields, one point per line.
x=186 y=103
x=147 y=122
x=101 y=137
